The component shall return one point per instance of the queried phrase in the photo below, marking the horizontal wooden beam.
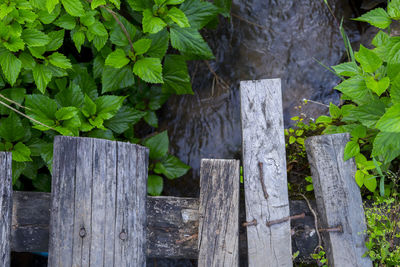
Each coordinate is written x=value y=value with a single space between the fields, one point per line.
x=172 y=225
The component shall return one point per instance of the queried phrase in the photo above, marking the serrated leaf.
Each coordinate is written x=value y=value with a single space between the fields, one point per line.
x=21 y=153
x=99 y=41
x=178 y=17
x=97 y=28
x=89 y=107
x=95 y=3
x=33 y=37
x=368 y=114
x=380 y=39
x=386 y=145
x=369 y=60
x=118 y=37
x=199 y=13
x=173 y=167
x=66 y=113
x=390 y=121
x=117 y=59
x=116 y=3
x=155 y=185
x=66 y=21
x=141 y=46
x=109 y=104
x=159 y=44
x=46 y=18
x=370 y=182
x=56 y=40
x=73 y=7
x=359 y=178
x=149 y=70
x=14 y=44
x=71 y=96
x=176 y=75
x=359 y=132
x=189 y=40
x=51 y=4
x=88 y=19
x=59 y=60
x=393 y=9
x=376 y=17
x=140 y=5
x=114 y=79
x=158 y=145
x=42 y=75
x=152 y=24
x=10 y=65
x=124 y=118
x=11 y=128
x=351 y=149
x=355 y=88
x=348 y=69
x=174 y=2
x=323 y=119
x=41 y=108
x=378 y=87
x=225 y=7
x=334 y=111
x=151 y=119
x=79 y=39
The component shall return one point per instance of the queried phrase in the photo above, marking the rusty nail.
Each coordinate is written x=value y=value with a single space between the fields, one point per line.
x=253 y=222
x=82 y=232
x=334 y=229
x=123 y=235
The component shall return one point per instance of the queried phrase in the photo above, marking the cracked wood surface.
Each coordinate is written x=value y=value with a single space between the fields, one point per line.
x=98 y=206
x=338 y=200
x=5 y=208
x=264 y=161
x=219 y=210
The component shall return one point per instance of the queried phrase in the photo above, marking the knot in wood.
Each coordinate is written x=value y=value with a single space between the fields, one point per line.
x=123 y=235
x=82 y=232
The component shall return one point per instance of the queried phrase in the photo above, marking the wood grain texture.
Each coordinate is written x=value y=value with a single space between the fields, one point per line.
x=5 y=208
x=338 y=200
x=264 y=142
x=219 y=209
x=98 y=207
x=169 y=221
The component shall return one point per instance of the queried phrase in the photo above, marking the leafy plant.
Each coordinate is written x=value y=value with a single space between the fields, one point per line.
x=96 y=68
x=320 y=257
x=370 y=92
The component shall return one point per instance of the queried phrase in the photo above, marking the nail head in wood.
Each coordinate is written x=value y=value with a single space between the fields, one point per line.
x=123 y=235
x=82 y=232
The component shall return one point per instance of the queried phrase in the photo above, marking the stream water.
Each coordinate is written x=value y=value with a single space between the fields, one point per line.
x=263 y=39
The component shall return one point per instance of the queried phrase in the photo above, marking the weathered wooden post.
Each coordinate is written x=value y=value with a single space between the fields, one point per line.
x=264 y=166
x=338 y=199
x=219 y=213
x=98 y=207
x=5 y=208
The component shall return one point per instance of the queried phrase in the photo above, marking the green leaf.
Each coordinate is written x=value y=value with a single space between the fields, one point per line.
x=199 y=13
x=348 y=69
x=393 y=9
x=108 y=105
x=355 y=88
x=140 y=5
x=368 y=59
x=189 y=40
x=46 y=18
x=73 y=7
x=97 y=3
x=113 y=79
x=225 y=6
x=159 y=44
x=151 y=119
x=380 y=38
x=51 y=4
x=102 y=134
x=11 y=128
x=390 y=121
x=33 y=37
x=376 y=17
x=323 y=119
x=141 y=46
x=368 y=114
x=176 y=76
x=88 y=19
x=79 y=39
x=117 y=59
x=378 y=87
x=386 y=145
x=42 y=75
x=118 y=37
x=66 y=113
x=89 y=107
x=15 y=94
x=71 y=96
x=351 y=149
x=158 y=145
x=41 y=108
x=178 y=17
x=155 y=185
x=334 y=111
x=359 y=132
x=152 y=24
x=370 y=182
x=66 y=21
x=21 y=153
x=10 y=65
x=174 y=2
x=125 y=117
x=149 y=70
x=59 y=60
x=395 y=90
x=98 y=28
x=173 y=168
x=359 y=178
x=56 y=40
x=14 y=44
x=116 y=3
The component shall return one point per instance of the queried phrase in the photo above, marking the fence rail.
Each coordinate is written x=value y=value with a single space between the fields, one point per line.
x=98 y=208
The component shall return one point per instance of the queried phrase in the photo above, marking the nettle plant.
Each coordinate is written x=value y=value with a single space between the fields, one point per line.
x=371 y=95
x=95 y=68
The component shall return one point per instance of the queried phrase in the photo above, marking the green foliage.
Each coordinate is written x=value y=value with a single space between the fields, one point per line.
x=82 y=68
x=371 y=111
x=320 y=257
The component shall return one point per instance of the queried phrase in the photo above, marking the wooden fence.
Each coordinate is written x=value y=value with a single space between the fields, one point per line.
x=98 y=213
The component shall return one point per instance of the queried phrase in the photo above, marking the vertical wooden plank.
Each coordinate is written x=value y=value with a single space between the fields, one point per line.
x=219 y=213
x=338 y=199
x=92 y=191
x=5 y=208
x=264 y=166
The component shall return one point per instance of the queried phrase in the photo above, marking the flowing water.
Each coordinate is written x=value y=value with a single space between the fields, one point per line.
x=263 y=39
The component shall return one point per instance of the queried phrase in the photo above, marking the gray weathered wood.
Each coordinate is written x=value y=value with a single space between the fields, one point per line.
x=264 y=166
x=219 y=209
x=171 y=220
x=5 y=208
x=338 y=199
x=98 y=207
